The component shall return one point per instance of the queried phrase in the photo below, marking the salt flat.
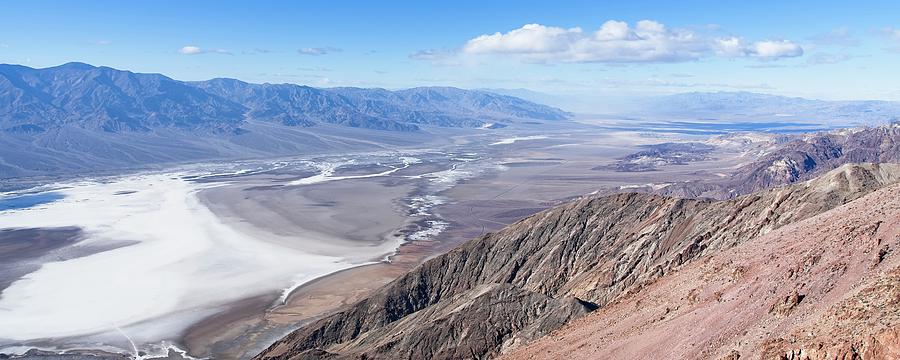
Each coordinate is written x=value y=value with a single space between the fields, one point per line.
x=184 y=260
x=205 y=256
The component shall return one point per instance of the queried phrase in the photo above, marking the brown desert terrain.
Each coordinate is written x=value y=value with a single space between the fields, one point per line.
x=498 y=292
x=827 y=287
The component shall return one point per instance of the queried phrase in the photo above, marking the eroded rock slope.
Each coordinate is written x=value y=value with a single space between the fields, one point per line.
x=799 y=158
x=499 y=291
x=827 y=287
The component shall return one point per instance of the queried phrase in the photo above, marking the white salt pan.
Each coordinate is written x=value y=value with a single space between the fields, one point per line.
x=185 y=261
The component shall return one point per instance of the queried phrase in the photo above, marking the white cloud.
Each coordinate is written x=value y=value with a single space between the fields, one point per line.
x=531 y=38
x=767 y=49
x=773 y=49
x=190 y=50
x=195 y=50
x=102 y=42
x=318 y=50
x=731 y=47
x=619 y=42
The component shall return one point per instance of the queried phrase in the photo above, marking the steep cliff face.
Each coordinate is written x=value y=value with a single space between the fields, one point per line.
x=827 y=287
x=577 y=257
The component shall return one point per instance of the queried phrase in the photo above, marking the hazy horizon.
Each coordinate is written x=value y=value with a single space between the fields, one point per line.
x=578 y=103
x=587 y=52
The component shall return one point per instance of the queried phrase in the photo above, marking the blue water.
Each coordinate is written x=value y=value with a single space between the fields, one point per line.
x=27 y=201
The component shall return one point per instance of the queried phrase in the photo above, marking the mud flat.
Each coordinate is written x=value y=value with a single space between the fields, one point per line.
x=21 y=250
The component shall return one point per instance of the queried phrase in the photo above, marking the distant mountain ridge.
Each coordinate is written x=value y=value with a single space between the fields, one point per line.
x=76 y=117
x=114 y=100
x=102 y=98
x=749 y=106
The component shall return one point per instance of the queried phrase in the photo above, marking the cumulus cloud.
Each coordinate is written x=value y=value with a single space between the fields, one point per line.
x=318 y=50
x=195 y=50
x=620 y=42
x=531 y=38
x=771 y=49
x=767 y=49
x=190 y=50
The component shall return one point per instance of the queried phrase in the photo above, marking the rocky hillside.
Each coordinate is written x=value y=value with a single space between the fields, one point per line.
x=296 y=105
x=800 y=158
x=562 y=263
x=401 y=110
x=107 y=99
x=827 y=287
x=77 y=117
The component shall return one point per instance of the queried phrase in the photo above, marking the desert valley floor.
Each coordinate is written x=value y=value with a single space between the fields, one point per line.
x=301 y=237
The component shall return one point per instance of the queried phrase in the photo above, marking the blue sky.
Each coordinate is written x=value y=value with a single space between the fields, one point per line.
x=587 y=49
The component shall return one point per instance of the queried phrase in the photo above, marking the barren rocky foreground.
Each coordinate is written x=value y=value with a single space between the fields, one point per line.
x=827 y=287
x=577 y=263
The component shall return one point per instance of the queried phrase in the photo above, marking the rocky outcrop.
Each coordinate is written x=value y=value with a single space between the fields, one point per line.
x=862 y=326
x=468 y=323
x=798 y=159
x=588 y=253
x=808 y=290
x=656 y=155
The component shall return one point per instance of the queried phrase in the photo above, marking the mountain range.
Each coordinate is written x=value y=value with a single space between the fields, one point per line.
x=82 y=117
x=755 y=107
